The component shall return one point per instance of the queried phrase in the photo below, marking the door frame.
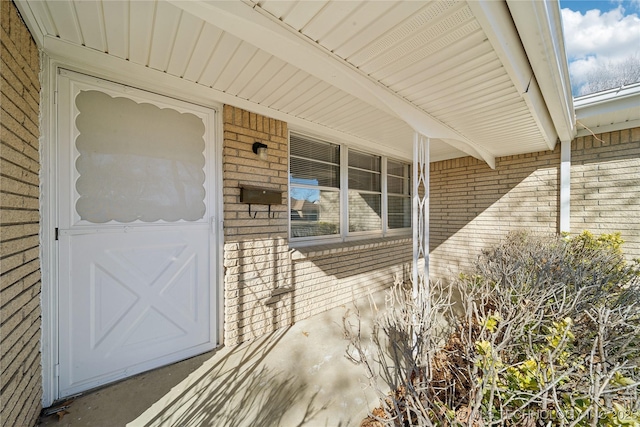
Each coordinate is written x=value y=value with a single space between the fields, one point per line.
x=146 y=80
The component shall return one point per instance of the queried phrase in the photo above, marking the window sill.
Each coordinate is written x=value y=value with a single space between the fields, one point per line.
x=343 y=247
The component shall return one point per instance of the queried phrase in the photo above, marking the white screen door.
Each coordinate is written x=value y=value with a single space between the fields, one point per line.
x=136 y=288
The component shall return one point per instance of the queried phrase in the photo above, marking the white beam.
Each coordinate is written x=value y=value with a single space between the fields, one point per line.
x=249 y=22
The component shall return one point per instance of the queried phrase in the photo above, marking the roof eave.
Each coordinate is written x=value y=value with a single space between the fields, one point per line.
x=599 y=104
x=248 y=22
x=496 y=22
x=617 y=95
x=539 y=25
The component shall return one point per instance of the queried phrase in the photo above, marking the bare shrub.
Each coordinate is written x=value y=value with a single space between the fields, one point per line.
x=545 y=332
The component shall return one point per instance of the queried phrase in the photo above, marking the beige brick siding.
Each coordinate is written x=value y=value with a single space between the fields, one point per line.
x=605 y=186
x=334 y=275
x=255 y=249
x=267 y=284
x=474 y=206
x=20 y=319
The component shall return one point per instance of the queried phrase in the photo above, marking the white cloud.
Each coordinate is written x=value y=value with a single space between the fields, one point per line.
x=598 y=37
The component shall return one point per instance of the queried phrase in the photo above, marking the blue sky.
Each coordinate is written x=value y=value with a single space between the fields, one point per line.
x=602 y=5
x=599 y=31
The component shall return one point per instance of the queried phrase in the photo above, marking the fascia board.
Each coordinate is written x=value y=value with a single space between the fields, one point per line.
x=611 y=106
x=611 y=96
x=249 y=23
x=608 y=128
x=620 y=100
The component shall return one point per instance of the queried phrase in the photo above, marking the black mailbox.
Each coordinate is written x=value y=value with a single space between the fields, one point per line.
x=260 y=196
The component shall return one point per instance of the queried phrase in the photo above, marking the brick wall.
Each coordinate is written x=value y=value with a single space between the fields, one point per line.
x=605 y=186
x=20 y=377
x=267 y=284
x=333 y=275
x=474 y=206
x=255 y=249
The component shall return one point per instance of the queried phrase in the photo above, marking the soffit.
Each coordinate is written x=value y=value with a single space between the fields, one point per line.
x=430 y=55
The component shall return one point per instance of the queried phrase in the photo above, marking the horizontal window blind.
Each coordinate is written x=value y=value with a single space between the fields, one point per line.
x=314 y=168
x=375 y=189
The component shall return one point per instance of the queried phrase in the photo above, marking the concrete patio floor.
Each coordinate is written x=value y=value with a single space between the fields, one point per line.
x=296 y=376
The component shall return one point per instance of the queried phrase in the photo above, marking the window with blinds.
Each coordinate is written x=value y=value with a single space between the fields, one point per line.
x=398 y=194
x=336 y=192
x=314 y=187
x=365 y=192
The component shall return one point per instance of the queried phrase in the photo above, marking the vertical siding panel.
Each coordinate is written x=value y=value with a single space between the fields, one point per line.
x=141 y=29
x=255 y=67
x=202 y=52
x=189 y=30
x=64 y=17
x=165 y=28
x=226 y=47
x=236 y=65
x=91 y=24
x=116 y=17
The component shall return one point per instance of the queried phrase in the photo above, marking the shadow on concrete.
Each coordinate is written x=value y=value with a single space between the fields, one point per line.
x=237 y=390
x=296 y=376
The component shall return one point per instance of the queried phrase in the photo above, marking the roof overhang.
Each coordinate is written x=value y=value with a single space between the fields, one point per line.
x=608 y=111
x=539 y=25
x=365 y=73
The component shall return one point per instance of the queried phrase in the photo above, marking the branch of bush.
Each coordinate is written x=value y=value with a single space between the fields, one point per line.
x=544 y=328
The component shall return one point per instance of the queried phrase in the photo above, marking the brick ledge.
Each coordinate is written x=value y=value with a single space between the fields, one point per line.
x=342 y=247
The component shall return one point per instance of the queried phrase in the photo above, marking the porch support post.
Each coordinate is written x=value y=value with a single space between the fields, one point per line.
x=420 y=210
x=565 y=186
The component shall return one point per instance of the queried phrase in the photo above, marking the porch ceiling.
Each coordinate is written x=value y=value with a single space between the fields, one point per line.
x=371 y=70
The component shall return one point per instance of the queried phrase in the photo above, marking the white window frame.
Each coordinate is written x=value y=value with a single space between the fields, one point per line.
x=344 y=234
x=409 y=196
x=381 y=192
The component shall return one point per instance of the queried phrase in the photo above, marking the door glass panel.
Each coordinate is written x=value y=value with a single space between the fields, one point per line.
x=138 y=161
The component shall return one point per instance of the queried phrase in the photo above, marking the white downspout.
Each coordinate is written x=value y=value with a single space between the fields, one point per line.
x=565 y=186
